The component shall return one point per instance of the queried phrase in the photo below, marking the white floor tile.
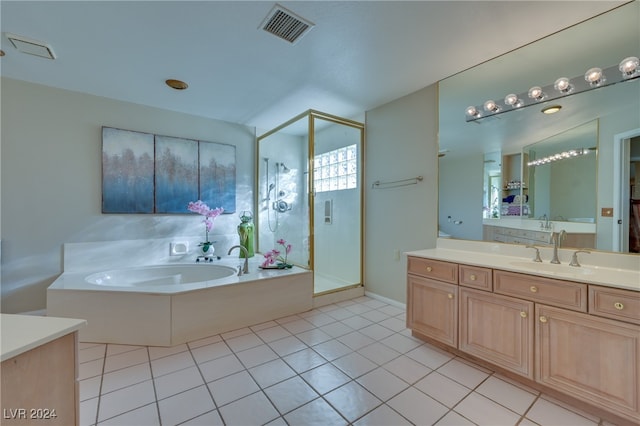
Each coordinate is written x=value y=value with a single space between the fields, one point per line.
x=355 y=340
x=298 y=326
x=382 y=384
x=156 y=352
x=125 y=359
x=90 y=388
x=464 y=373
x=325 y=378
x=177 y=382
x=340 y=314
x=379 y=353
x=113 y=349
x=358 y=308
x=205 y=341
x=382 y=416
x=304 y=360
x=211 y=351
x=90 y=369
x=375 y=316
x=352 y=401
x=394 y=324
x=171 y=363
x=506 y=394
x=392 y=310
x=336 y=329
x=376 y=331
x=91 y=353
x=354 y=364
x=212 y=418
x=271 y=372
x=88 y=412
x=263 y=326
x=430 y=356
x=236 y=333
x=317 y=318
x=290 y=394
x=287 y=346
x=483 y=411
x=407 y=369
x=313 y=337
x=315 y=413
x=272 y=334
x=220 y=367
x=256 y=356
x=246 y=341
x=185 y=406
x=233 y=387
x=546 y=413
x=332 y=349
x=125 y=377
x=442 y=389
x=124 y=400
x=143 y=416
x=454 y=419
x=417 y=407
x=254 y=409
x=401 y=343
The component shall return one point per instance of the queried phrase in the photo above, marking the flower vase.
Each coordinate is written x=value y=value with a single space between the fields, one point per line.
x=206 y=251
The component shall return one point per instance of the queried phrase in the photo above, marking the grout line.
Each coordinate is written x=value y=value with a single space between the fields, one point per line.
x=153 y=383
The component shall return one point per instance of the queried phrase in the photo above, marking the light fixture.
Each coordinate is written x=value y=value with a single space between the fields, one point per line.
x=552 y=109
x=627 y=70
x=594 y=76
x=563 y=85
x=572 y=153
x=536 y=93
x=629 y=66
x=512 y=100
x=491 y=106
x=176 y=84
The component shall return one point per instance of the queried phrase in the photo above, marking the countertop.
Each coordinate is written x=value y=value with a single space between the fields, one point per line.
x=620 y=274
x=21 y=333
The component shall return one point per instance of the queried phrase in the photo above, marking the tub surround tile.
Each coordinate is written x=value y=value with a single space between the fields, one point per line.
x=284 y=381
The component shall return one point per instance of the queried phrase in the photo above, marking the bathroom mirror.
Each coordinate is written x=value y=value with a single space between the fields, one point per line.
x=464 y=192
x=562 y=188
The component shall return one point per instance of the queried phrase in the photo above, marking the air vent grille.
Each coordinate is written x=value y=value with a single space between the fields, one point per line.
x=286 y=24
x=31 y=47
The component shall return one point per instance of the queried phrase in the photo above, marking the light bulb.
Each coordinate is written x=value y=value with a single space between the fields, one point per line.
x=563 y=85
x=594 y=76
x=512 y=100
x=536 y=93
x=629 y=66
x=472 y=111
x=491 y=106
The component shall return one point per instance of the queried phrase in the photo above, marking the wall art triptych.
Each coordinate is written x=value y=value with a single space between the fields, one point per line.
x=146 y=173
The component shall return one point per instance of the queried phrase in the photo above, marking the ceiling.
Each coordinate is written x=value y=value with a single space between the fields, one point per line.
x=358 y=56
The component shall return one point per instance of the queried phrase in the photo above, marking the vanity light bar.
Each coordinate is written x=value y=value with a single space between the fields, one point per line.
x=628 y=69
x=559 y=156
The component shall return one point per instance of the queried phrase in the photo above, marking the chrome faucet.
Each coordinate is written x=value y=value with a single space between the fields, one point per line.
x=574 y=258
x=545 y=224
x=537 y=258
x=243 y=250
x=557 y=238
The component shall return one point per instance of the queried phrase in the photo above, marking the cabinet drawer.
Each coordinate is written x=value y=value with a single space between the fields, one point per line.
x=564 y=294
x=615 y=303
x=443 y=271
x=476 y=277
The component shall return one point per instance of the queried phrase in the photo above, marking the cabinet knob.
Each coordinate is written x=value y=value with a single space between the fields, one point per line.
x=472 y=277
x=523 y=314
x=543 y=319
x=619 y=306
x=429 y=269
x=450 y=296
x=533 y=289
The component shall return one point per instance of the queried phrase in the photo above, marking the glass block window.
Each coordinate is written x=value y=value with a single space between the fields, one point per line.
x=336 y=170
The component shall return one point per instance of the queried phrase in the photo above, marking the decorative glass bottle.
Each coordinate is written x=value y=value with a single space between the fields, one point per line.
x=245 y=231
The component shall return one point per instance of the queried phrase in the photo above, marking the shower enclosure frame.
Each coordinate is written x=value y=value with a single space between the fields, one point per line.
x=313 y=115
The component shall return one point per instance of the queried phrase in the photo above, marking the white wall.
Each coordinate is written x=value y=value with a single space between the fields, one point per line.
x=51 y=181
x=401 y=143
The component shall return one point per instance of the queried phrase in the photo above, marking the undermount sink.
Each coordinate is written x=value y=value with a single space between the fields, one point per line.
x=553 y=268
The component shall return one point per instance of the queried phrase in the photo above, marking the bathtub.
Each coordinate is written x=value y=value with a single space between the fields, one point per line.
x=172 y=303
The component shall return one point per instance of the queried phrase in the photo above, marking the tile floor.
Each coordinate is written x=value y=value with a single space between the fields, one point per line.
x=353 y=362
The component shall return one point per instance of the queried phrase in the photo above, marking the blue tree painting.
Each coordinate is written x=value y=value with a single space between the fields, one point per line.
x=218 y=175
x=127 y=171
x=176 y=174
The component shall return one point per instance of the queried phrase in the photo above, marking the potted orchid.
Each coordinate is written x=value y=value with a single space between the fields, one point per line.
x=209 y=215
x=273 y=259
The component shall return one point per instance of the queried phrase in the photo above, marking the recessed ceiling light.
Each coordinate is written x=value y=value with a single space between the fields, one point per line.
x=552 y=109
x=176 y=84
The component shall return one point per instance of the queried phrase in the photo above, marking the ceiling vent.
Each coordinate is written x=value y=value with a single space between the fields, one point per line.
x=285 y=24
x=31 y=47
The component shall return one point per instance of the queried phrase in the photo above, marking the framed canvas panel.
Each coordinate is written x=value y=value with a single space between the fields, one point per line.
x=176 y=168
x=218 y=175
x=127 y=171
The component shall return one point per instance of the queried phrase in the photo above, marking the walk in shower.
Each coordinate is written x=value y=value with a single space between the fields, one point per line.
x=313 y=160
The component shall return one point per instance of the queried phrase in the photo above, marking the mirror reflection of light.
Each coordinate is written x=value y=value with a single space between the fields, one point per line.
x=559 y=156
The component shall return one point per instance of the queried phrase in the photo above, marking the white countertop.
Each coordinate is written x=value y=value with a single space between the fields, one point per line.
x=598 y=269
x=21 y=333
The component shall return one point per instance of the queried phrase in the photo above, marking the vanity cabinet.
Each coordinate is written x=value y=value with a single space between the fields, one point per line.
x=590 y=358
x=498 y=329
x=433 y=299
x=566 y=337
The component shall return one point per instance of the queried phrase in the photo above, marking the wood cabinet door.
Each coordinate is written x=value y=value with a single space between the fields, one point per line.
x=593 y=359
x=432 y=309
x=498 y=329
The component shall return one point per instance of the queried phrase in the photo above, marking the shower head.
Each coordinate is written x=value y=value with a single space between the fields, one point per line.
x=271 y=186
x=285 y=169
